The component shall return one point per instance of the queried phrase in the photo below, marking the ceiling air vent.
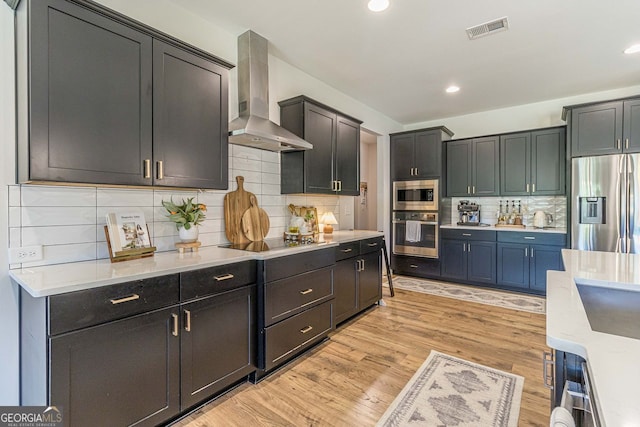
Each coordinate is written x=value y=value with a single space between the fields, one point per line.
x=491 y=27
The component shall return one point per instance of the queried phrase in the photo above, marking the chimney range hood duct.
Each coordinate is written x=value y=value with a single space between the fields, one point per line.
x=253 y=127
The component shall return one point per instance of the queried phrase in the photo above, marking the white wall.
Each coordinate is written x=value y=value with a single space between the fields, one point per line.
x=8 y=292
x=522 y=117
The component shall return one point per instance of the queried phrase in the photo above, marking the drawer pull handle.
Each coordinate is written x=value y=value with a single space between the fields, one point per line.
x=346 y=251
x=307 y=329
x=308 y=291
x=372 y=245
x=547 y=369
x=466 y=234
x=529 y=238
x=413 y=266
x=175 y=324
x=187 y=322
x=125 y=299
x=224 y=277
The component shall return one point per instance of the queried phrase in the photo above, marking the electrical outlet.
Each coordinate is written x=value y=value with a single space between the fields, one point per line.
x=25 y=254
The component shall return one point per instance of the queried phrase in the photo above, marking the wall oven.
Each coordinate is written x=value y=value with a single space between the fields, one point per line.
x=415 y=233
x=419 y=195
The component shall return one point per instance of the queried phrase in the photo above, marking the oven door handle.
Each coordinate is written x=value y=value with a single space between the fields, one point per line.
x=397 y=221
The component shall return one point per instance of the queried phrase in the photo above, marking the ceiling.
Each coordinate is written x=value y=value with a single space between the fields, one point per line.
x=400 y=61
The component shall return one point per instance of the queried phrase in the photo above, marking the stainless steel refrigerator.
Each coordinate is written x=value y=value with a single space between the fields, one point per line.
x=605 y=203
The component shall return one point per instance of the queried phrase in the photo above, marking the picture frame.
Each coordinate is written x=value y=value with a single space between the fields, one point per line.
x=310 y=215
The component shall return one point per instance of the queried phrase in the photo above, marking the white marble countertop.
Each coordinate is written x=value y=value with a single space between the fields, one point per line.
x=61 y=278
x=612 y=360
x=527 y=229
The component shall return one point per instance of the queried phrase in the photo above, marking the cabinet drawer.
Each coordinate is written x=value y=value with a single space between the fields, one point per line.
x=370 y=245
x=214 y=280
x=416 y=266
x=347 y=250
x=81 y=309
x=557 y=239
x=286 y=338
x=290 y=265
x=293 y=294
x=466 y=234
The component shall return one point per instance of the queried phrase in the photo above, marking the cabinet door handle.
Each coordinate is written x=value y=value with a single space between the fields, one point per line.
x=526 y=252
x=372 y=245
x=469 y=247
x=618 y=143
x=307 y=329
x=413 y=266
x=175 y=324
x=473 y=189
x=346 y=251
x=125 y=299
x=187 y=320
x=362 y=265
x=306 y=291
x=529 y=238
x=531 y=252
x=468 y=189
x=466 y=234
x=547 y=374
x=533 y=187
x=464 y=247
x=417 y=172
x=160 y=171
x=147 y=168
x=626 y=143
x=527 y=188
x=224 y=277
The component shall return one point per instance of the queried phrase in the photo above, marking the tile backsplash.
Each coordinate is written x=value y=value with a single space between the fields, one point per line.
x=489 y=207
x=69 y=221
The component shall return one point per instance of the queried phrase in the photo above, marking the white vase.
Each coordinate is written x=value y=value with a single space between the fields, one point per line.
x=190 y=235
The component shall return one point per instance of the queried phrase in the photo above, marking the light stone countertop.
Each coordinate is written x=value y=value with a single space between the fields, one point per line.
x=527 y=229
x=612 y=360
x=61 y=278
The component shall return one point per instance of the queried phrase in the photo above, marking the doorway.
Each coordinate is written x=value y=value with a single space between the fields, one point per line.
x=365 y=206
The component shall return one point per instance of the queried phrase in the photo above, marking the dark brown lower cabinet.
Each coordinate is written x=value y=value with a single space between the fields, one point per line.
x=120 y=373
x=217 y=343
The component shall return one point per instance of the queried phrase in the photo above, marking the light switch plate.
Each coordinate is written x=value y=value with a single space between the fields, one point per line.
x=25 y=254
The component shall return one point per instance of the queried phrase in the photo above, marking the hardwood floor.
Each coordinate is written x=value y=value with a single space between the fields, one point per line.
x=351 y=379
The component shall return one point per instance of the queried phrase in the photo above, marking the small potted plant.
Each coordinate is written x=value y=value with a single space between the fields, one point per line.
x=187 y=216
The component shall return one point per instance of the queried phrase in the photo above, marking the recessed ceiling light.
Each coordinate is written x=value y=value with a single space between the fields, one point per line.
x=632 y=49
x=453 y=89
x=378 y=5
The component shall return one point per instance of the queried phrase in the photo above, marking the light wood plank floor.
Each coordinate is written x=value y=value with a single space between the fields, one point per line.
x=351 y=379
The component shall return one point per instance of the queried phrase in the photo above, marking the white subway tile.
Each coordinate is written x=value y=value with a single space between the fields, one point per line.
x=250 y=176
x=272 y=200
x=240 y=164
x=124 y=197
x=58 y=235
x=275 y=211
x=271 y=167
x=249 y=153
x=212 y=225
x=14 y=195
x=61 y=254
x=165 y=244
x=164 y=229
x=102 y=211
x=43 y=216
x=270 y=178
x=102 y=251
x=253 y=187
x=15 y=217
x=296 y=200
x=211 y=198
x=14 y=237
x=275 y=232
x=37 y=195
x=271 y=189
x=175 y=195
x=270 y=156
x=212 y=239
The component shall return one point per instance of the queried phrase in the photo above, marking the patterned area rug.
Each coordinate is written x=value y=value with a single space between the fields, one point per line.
x=447 y=391
x=529 y=303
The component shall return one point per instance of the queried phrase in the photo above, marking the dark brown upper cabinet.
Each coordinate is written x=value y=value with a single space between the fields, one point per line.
x=106 y=100
x=333 y=165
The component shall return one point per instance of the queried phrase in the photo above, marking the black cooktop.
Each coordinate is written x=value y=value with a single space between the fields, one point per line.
x=264 y=245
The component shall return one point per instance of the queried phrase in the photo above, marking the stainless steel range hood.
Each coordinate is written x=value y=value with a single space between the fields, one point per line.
x=253 y=127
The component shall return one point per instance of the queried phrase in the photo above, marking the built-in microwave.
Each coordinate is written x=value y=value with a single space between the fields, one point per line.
x=419 y=195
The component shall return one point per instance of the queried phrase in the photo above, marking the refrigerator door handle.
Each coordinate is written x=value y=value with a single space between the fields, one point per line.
x=621 y=207
x=630 y=202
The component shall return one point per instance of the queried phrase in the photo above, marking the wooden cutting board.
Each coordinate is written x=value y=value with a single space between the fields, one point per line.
x=235 y=204
x=255 y=221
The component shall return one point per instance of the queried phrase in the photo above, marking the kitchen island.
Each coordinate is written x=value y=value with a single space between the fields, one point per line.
x=611 y=359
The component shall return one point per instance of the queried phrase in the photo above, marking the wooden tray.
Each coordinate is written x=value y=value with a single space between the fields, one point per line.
x=511 y=226
x=128 y=254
